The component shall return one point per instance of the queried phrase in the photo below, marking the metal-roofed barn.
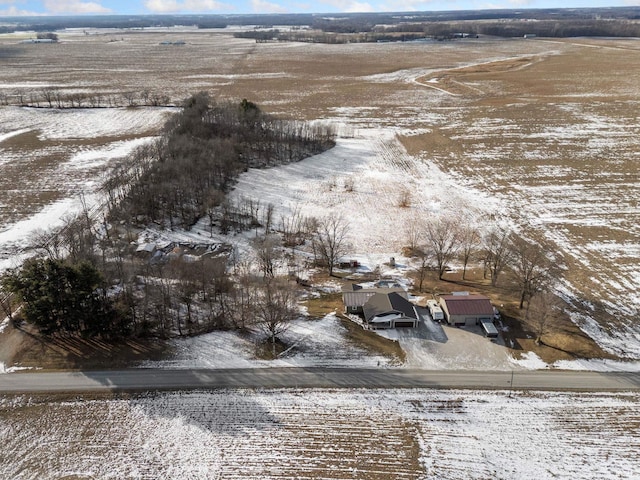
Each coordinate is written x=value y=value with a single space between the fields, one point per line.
x=466 y=309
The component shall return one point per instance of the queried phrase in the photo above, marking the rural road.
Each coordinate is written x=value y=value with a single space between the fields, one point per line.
x=157 y=379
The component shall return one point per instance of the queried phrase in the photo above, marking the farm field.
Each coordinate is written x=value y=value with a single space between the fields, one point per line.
x=341 y=434
x=536 y=134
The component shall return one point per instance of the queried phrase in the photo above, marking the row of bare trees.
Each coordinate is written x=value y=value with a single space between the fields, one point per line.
x=533 y=264
x=50 y=97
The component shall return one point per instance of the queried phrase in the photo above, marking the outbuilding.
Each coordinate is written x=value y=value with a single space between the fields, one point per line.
x=463 y=308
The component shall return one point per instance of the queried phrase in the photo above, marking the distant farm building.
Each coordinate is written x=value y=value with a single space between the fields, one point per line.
x=39 y=40
x=463 y=308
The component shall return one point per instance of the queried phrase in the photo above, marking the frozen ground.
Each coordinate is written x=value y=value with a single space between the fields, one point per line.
x=80 y=143
x=329 y=434
x=324 y=342
x=363 y=179
x=380 y=171
x=538 y=155
x=314 y=343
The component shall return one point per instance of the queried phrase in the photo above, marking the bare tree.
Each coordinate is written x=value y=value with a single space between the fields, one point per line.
x=543 y=313
x=469 y=243
x=130 y=98
x=6 y=297
x=269 y=254
x=242 y=296
x=533 y=266
x=496 y=252
x=330 y=240
x=275 y=309
x=49 y=242
x=292 y=227
x=267 y=218
x=414 y=234
x=442 y=238
x=48 y=95
x=426 y=257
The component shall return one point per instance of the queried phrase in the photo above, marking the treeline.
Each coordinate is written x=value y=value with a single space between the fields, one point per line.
x=185 y=174
x=56 y=98
x=316 y=36
x=338 y=23
x=543 y=28
x=347 y=31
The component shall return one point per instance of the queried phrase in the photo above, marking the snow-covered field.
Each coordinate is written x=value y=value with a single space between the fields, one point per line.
x=364 y=180
x=328 y=434
x=50 y=157
x=557 y=152
x=549 y=144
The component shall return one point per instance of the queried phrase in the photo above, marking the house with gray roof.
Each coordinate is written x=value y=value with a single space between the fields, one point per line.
x=355 y=296
x=390 y=310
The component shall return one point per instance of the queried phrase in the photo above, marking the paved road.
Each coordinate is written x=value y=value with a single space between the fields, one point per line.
x=157 y=379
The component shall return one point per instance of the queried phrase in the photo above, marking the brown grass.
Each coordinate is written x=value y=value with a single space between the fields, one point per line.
x=26 y=347
x=565 y=341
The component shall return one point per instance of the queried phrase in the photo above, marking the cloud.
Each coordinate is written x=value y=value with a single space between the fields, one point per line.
x=173 y=6
x=12 y=11
x=262 y=6
x=73 y=7
x=350 y=6
x=407 y=5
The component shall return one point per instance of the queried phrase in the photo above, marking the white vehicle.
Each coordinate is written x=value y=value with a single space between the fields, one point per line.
x=435 y=311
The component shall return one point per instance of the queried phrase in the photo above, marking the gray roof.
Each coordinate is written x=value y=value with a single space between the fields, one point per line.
x=358 y=297
x=381 y=303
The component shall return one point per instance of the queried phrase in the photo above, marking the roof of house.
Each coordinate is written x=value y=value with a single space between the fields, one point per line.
x=382 y=303
x=355 y=295
x=468 y=305
x=354 y=287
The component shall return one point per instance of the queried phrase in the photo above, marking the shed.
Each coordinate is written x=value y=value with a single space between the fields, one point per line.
x=466 y=309
x=390 y=310
x=146 y=249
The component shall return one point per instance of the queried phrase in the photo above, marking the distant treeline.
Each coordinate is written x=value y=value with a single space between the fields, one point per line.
x=544 y=28
x=315 y=36
x=351 y=31
x=574 y=21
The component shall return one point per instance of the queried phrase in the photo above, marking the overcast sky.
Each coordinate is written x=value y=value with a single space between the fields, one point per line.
x=73 y=7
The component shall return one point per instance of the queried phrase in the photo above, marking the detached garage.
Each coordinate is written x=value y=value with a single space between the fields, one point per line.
x=466 y=309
